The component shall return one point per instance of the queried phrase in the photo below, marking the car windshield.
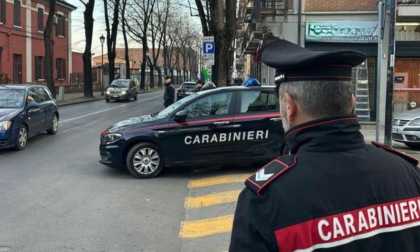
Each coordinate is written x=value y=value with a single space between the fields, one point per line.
x=119 y=84
x=11 y=98
x=174 y=106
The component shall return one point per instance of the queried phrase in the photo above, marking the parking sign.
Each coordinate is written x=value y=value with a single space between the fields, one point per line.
x=208 y=47
x=208 y=50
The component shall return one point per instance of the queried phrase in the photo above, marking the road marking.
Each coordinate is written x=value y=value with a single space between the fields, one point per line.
x=200 y=228
x=212 y=199
x=101 y=111
x=196 y=183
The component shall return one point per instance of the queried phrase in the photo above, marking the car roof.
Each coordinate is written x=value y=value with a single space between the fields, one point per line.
x=19 y=86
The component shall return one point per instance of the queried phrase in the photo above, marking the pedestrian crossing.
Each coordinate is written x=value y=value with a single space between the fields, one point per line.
x=210 y=208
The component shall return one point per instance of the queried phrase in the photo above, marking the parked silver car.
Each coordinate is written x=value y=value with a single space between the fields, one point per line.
x=406 y=128
x=121 y=89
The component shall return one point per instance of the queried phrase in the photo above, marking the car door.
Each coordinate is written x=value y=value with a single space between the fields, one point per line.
x=257 y=117
x=47 y=106
x=36 y=117
x=133 y=90
x=204 y=136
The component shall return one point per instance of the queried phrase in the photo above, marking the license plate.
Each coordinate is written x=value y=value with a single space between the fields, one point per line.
x=394 y=130
x=188 y=92
x=114 y=96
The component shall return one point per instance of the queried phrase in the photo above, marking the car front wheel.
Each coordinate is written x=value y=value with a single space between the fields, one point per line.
x=22 y=138
x=145 y=160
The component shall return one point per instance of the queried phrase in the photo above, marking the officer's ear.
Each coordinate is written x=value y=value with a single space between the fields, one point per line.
x=353 y=103
x=291 y=107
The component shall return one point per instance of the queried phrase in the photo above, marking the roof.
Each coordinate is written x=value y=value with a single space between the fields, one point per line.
x=19 y=86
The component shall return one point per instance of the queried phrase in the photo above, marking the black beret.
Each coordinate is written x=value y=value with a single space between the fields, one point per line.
x=293 y=62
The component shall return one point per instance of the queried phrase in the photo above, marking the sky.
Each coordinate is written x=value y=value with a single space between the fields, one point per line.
x=78 y=30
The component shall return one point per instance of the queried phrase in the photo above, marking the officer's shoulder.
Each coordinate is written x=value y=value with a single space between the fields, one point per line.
x=270 y=172
x=405 y=156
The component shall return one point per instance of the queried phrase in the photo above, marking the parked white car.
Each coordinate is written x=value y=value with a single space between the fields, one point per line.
x=406 y=128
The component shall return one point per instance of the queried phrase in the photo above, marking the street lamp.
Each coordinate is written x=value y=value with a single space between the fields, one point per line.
x=102 y=39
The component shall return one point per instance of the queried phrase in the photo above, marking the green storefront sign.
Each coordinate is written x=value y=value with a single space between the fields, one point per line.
x=344 y=32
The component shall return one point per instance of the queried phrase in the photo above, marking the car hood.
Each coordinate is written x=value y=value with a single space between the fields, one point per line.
x=117 y=89
x=7 y=114
x=409 y=115
x=133 y=122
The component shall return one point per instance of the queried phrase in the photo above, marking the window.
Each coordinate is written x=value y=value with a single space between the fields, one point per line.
x=16 y=12
x=216 y=104
x=258 y=101
x=40 y=19
x=3 y=11
x=60 y=31
x=39 y=63
x=60 y=64
x=42 y=95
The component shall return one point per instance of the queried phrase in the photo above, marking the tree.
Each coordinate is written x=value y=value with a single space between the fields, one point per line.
x=139 y=16
x=213 y=24
x=126 y=51
x=49 y=71
x=87 y=54
x=111 y=35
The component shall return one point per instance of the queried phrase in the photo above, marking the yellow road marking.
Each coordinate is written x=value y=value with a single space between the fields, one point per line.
x=211 y=199
x=205 y=227
x=195 y=183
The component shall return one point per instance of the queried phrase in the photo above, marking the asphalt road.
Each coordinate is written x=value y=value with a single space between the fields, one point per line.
x=56 y=196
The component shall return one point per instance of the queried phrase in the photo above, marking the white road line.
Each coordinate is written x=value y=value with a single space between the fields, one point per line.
x=100 y=111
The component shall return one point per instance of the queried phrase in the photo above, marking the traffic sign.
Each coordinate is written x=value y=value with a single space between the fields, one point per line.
x=209 y=49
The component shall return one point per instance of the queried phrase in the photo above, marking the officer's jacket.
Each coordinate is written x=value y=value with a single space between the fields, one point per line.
x=332 y=193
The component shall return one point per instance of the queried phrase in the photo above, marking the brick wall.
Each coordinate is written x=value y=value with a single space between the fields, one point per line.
x=339 y=5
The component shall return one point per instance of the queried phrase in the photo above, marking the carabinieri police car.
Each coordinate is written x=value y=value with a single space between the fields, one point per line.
x=219 y=126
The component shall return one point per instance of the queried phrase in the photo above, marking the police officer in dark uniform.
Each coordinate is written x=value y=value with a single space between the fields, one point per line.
x=169 y=92
x=332 y=192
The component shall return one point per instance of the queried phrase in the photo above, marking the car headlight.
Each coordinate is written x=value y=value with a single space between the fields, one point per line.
x=5 y=125
x=111 y=137
x=415 y=122
x=123 y=92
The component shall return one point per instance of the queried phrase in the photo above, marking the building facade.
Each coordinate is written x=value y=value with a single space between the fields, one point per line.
x=340 y=24
x=22 y=50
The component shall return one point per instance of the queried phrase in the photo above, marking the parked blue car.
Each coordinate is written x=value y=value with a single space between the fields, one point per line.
x=25 y=110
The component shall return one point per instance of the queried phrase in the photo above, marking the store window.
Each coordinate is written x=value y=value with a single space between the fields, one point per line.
x=364 y=90
x=406 y=85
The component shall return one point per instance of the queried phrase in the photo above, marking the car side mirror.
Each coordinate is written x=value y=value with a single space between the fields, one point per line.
x=180 y=116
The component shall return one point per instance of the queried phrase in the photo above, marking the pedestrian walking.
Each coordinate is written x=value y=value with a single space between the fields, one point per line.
x=169 y=92
x=332 y=192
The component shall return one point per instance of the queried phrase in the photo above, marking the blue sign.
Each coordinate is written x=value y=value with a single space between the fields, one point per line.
x=208 y=47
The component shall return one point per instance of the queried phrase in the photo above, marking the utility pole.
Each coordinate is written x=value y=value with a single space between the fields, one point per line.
x=390 y=74
x=381 y=23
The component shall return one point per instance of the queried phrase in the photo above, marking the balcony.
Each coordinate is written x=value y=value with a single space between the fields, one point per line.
x=253 y=43
x=408 y=10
